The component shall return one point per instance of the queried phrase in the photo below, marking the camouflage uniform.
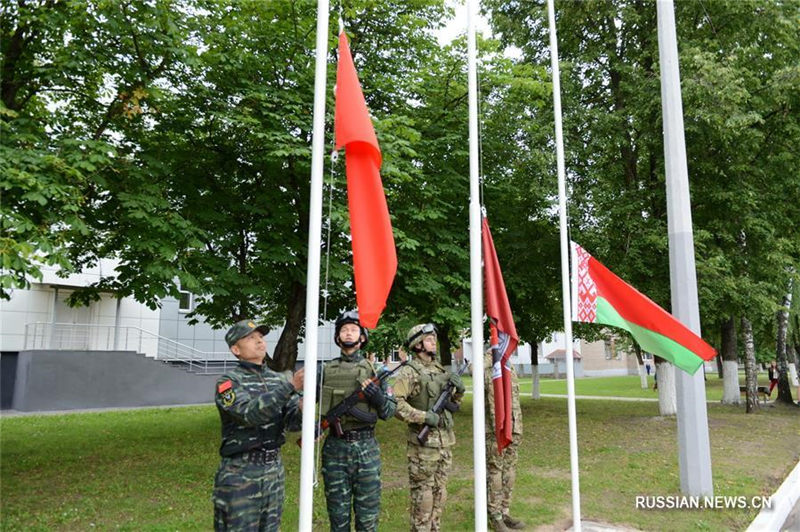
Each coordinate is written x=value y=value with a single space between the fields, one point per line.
x=255 y=405
x=417 y=387
x=351 y=463
x=500 y=468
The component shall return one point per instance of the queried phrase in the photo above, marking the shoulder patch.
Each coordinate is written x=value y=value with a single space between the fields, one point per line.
x=221 y=387
x=228 y=397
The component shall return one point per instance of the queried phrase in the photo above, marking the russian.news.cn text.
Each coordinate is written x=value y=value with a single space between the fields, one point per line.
x=717 y=502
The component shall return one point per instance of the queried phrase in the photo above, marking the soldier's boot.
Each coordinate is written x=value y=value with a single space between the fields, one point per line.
x=510 y=522
x=497 y=524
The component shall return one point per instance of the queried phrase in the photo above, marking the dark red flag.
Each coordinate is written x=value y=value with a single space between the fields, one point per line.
x=504 y=339
x=374 y=255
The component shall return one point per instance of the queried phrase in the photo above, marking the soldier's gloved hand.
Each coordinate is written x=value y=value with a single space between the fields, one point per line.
x=432 y=418
x=457 y=383
x=447 y=421
x=375 y=394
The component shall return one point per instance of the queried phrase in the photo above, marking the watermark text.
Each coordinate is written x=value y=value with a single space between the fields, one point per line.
x=717 y=502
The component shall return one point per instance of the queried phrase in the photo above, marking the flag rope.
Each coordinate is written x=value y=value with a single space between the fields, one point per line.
x=332 y=174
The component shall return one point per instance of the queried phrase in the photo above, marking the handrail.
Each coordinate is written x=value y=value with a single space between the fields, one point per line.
x=93 y=337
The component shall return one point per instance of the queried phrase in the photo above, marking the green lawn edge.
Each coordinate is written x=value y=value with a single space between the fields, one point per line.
x=152 y=469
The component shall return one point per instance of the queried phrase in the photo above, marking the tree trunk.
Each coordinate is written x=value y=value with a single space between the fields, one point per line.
x=640 y=364
x=285 y=355
x=784 y=390
x=750 y=369
x=719 y=367
x=667 y=397
x=535 y=371
x=445 y=357
x=730 y=363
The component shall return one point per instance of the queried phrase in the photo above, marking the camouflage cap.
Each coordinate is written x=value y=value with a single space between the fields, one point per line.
x=242 y=329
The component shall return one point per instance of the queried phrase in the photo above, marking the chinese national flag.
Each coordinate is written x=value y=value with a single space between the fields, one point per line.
x=374 y=255
x=504 y=339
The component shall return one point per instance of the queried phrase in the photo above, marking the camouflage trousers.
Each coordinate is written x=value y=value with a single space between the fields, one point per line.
x=352 y=475
x=501 y=472
x=428 y=468
x=248 y=496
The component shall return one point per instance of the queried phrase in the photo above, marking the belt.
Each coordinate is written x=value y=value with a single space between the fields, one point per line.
x=261 y=456
x=356 y=435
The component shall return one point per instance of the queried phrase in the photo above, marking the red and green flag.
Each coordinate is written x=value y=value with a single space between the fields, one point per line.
x=599 y=296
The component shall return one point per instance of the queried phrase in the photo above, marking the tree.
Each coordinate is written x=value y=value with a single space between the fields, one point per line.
x=78 y=77
x=737 y=65
x=729 y=355
x=749 y=366
x=784 y=391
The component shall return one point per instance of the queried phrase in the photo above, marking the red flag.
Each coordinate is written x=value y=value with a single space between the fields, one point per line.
x=374 y=255
x=503 y=337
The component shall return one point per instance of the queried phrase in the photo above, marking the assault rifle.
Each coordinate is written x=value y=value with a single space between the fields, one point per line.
x=442 y=402
x=347 y=407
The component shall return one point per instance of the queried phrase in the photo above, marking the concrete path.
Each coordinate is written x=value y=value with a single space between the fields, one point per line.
x=18 y=413
x=784 y=513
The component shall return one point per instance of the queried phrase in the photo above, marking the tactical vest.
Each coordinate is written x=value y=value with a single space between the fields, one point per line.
x=342 y=378
x=431 y=387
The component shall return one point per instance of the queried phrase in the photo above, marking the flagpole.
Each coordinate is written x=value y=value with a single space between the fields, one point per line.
x=476 y=278
x=312 y=279
x=694 y=448
x=565 y=284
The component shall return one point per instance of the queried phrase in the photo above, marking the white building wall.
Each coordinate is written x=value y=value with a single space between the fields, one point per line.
x=43 y=303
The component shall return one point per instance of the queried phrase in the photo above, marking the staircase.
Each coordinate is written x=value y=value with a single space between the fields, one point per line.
x=88 y=337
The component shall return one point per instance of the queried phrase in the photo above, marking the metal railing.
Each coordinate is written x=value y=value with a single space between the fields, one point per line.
x=89 y=337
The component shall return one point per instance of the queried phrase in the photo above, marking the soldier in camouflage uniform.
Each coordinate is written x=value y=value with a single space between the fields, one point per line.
x=256 y=405
x=501 y=469
x=351 y=459
x=416 y=389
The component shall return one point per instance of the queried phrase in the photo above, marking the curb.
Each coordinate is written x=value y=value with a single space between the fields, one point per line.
x=783 y=501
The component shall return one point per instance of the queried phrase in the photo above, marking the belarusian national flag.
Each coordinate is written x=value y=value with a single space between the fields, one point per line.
x=374 y=255
x=599 y=296
x=504 y=339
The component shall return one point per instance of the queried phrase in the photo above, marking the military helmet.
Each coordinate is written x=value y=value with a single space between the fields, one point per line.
x=348 y=316
x=416 y=333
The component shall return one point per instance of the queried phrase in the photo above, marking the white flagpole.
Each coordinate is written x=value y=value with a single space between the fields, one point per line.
x=312 y=282
x=476 y=278
x=694 y=448
x=565 y=284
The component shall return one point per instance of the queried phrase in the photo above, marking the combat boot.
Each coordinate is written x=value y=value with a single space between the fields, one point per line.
x=510 y=522
x=498 y=525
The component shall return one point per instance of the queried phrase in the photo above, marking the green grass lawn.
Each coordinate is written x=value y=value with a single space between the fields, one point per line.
x=619 y=386
x=152 y=469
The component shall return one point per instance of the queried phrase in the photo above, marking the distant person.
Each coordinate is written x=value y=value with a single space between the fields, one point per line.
x=647 y=367
x=256 y=405
x=772 y=372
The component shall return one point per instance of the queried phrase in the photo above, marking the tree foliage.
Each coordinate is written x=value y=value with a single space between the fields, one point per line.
x=738 y=66
x=174 y=136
